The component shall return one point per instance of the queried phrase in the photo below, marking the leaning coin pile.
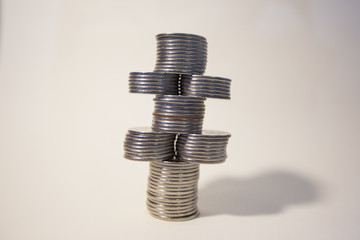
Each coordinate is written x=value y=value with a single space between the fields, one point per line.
x=143 y=144
x=207 y=147
x=176 y=143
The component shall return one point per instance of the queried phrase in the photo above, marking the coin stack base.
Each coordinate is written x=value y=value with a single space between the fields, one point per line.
x=172 y=190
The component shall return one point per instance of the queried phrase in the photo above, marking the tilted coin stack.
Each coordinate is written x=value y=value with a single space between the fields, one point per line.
x=176 y=144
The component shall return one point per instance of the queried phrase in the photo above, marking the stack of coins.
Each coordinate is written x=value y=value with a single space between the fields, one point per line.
x=172 y=190
x=207 y=147
x=178 y=114
x=142 y=144
x=176 y=143
x=154 y=83
x=181 y=53
x=205 y=86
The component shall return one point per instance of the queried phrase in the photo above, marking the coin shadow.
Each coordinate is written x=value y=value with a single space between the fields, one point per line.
x=267 y=193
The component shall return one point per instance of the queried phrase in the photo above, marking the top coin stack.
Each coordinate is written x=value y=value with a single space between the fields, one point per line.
x=176 y=143
x=180 y=53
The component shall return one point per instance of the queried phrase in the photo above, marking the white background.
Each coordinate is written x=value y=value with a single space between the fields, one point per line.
x=294 y=162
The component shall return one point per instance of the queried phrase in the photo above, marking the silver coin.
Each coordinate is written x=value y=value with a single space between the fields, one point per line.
x=153 y=91
x=166 y=208
x=153 y=83
x=177 y=71
x=149 y=157
x=181 y=36
x=135 y=158
x=169 y=196
x=146 y=139
x=151 y=74
x=180 y=182
x=181 y=40
x=205 y=151
x=172 y=175
x=144 y=152
x=162 y=119
x=194 y=107
x=174 y=123
x=185 y=81
x=148 y=144
x=181 y=70
x=180 y=57
x=196 y=152
x=163 y=186
x=201 y=144
x=203 y=139
x=174 y=164
x=178 y=98
x=181 y=46
x=188 y=157
x=169 y=211
x=174 y=219
x=151 y=152
x=207 y=95
x=205 y=90
x=206 y=86
x=200 y=50
x=178 y=130
x=148 y=149
x=168 y=199
x=182 y=54
x=149 y=137
x=189 y=41
x=179 y=64
x=181 y=199
x=172 y=214
x=179 y=113
x=159 y=89
x=209 y=134
x=162 y=85
x=206 y=162
x=203 y=77
x=182 y=207
x=179 y=67
x=162 y=53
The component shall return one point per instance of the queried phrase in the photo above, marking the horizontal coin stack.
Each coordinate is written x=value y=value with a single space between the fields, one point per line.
x=176 y=143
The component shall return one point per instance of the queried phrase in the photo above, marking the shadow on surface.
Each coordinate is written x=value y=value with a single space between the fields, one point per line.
x=268 y=193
